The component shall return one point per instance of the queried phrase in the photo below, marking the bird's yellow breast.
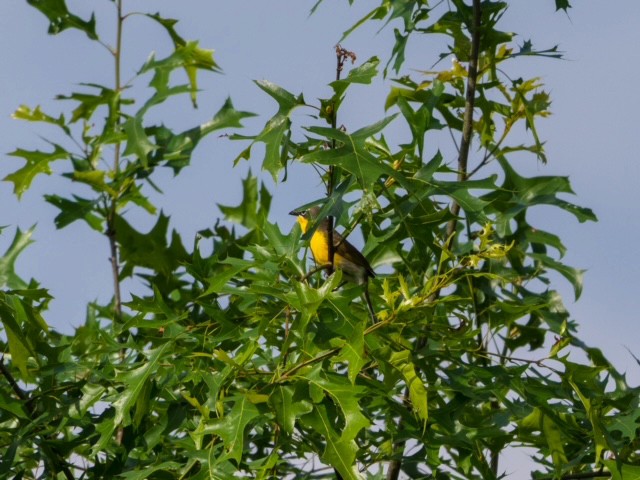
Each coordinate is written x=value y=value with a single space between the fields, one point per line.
x=320 y=247
x=304 y=223
x=319 y=244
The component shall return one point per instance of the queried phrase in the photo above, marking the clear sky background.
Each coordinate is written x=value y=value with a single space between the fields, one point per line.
x=593 y=135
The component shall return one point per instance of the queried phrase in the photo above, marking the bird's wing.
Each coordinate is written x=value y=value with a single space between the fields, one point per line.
x=351 y=253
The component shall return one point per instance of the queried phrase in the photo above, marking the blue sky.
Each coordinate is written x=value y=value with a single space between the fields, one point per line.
x=593 y=135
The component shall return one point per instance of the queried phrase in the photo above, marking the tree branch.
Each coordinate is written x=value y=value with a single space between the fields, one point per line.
x=470 y=99
x=584 y=475
x=111 y=217
x=342 y=54
x=12 y=381
x=395 y=466
x=286 y=375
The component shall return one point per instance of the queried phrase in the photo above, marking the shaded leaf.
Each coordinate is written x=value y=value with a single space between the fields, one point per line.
x=76 y=209
x=231 y=428
x=150 y=250
x=340 y=451
x=60 y=18
x=353 y=352
x=273 y=133
x=345 y=395
x=353 y=153
x=244 y=214
x=19 y=345
x=287 y=410
x=573 y=275
x=135 y=381
x=176 y=149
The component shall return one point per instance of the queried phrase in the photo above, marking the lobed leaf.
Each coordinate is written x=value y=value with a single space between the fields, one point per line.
x=231 y=428
x=60 y=18
x=37 y=162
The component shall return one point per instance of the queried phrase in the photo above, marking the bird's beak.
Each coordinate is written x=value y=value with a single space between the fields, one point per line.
x=296 y=213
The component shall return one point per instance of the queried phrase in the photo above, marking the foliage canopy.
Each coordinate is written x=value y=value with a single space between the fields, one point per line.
x=242 y=361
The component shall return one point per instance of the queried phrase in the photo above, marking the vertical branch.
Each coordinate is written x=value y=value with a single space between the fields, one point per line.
x=112 y=206
x=342 y=55
x=467 y=125
x=113 y=201
x=463 y=160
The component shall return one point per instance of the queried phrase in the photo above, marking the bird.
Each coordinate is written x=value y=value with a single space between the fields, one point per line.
x=355 y=267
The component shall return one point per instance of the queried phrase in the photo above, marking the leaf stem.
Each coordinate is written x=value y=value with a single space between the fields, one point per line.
x=286 y=375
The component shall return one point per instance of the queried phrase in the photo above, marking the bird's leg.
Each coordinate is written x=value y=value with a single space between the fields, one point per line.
x=314 y=270
x=367 y=298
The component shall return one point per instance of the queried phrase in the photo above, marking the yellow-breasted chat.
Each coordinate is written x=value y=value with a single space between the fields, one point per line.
x=355 y=267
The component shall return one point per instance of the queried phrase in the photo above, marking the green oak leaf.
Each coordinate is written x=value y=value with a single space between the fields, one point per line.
x=231 y=428
x=340 y=451
x=287 y=410
x=37 y=162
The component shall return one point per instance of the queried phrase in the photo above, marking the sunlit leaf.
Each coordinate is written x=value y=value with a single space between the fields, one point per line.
x=143 y=475
x=186 y=55
x=37 y=162
x=37 y=115
x=417 y=390
x=88 y=103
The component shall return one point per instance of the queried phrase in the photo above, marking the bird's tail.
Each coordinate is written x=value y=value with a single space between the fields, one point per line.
x=372 y=312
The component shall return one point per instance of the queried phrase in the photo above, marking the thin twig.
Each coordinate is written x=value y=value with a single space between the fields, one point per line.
x=311 y=361
x=583 y=475
x=326 y=266
x=12 y=381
